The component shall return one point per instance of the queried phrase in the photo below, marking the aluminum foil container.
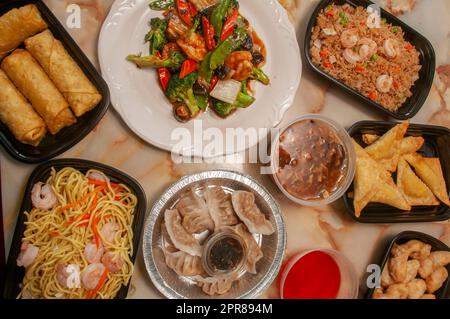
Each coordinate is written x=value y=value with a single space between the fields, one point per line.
x=249 y=285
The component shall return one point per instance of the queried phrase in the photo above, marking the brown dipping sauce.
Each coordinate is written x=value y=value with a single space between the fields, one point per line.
x=312 y=160
x=226 y=254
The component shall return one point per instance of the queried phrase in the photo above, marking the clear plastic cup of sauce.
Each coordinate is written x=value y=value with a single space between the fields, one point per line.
x=224 y=254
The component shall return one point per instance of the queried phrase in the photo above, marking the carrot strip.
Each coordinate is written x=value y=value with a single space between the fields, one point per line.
x=95 y=231
x=83 y=199
x=91 y=293
x=85 y=215
x=99 y=183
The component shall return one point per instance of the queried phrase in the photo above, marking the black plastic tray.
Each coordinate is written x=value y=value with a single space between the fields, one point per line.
x=53 y=145
x=421 y=87
x=436 y=245
x=437 y=141
x=14 y=274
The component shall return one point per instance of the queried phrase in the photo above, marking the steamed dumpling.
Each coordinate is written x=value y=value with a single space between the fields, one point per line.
x=214 y=285
x=254 y=252
x=180 y=237
x=220 y=207
x=245 y=207
x=179 y=261
x=196 y=218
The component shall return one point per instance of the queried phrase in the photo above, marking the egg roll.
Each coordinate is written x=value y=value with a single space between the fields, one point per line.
x=18 y=115
x=26 y=73
x=68 y=77
x=18 y=24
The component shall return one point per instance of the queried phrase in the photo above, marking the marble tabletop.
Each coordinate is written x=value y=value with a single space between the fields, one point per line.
x=112 y=143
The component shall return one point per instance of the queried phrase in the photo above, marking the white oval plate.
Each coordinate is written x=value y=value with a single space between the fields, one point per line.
x=137 y=97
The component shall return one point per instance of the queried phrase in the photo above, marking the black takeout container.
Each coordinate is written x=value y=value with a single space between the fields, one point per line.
x=421 y=87
x=437 y=141
x=53 y=145
x=436 y=245
x=14 y=274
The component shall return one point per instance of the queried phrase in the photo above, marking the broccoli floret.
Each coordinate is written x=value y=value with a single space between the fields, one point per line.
x=180 y=90
x=225 y=109
x=244 y=100
x=161 y=5
x=202 y=101
x=156 y=36
x=174 y=61
x=258 y=74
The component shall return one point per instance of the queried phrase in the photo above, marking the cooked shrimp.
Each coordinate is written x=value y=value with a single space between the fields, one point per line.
x=241 y=63
x=384 y=83
x=391 y=48
x=97 y=176
x=26 y=294
x=175 y=27
x=168 y=49
x=349 y=38
x=92 y=253
x=28 y=253
x=329 y=31
x=43 y=197
x=193 y=46
x=373 y=20
x=109 y=231
x=68 y=277
x=112 y=262
x=90 y=276
x=367 y=48
x=351 y=56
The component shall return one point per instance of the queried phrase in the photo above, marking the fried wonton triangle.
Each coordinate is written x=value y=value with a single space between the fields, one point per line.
x=410 y=144
x=368 y=177
x=430 y=171
x=388 y=193
x=369 y=139
x=386 y=150
x=413 y=189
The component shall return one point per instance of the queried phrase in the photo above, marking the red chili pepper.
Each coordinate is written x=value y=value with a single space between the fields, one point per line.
x=330 y=13
x=409 y=46
x=184 y=11
x=163 y=74
x=164 y=78
x=327 y=64
x=359 y=69
x=324 y=53
x=193 y=9
x=229 y=25
x=208 y=33
x=187 y=68
x=372 y=95
x=214 y=81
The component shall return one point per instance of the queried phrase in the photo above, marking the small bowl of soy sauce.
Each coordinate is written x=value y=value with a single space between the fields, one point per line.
x=224 y=255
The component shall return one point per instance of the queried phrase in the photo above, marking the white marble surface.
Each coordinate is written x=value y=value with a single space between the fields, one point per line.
x=114 y=144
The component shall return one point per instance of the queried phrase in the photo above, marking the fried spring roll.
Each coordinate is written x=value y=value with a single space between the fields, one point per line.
x=34 y=84
x=64 y=72
x=20 y=117
x=18 y=24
